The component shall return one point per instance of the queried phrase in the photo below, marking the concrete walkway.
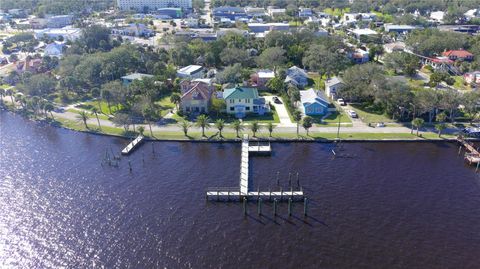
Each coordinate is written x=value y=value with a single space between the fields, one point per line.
x=281 y=112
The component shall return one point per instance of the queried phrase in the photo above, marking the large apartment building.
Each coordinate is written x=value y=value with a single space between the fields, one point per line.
x=153 y=4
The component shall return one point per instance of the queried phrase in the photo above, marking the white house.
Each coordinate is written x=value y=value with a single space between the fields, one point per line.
x=437 y=16
x=191 y=72
x=54 y=49
x=296 y=76
x=332 y=86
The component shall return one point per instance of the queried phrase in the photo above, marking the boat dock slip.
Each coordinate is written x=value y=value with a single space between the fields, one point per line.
x=132 y=145
x=243 y=190
x=472 y=155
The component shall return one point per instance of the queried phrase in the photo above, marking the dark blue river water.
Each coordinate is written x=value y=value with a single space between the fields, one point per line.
x=377 y=205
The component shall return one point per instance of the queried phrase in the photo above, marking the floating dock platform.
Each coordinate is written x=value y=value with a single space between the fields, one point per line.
x=132 y=145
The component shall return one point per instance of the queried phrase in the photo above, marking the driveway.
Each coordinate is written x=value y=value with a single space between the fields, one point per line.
x=281 y=112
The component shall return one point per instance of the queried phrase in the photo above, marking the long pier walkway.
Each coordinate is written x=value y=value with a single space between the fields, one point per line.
x=244 y=191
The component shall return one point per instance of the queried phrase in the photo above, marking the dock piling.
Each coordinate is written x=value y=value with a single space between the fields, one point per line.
x=305 y=206
x=274 y=207
x=289 y=206
x=260 y=206
x=244 y=206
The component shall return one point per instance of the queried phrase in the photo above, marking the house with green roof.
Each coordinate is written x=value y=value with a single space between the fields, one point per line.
x=243 y=100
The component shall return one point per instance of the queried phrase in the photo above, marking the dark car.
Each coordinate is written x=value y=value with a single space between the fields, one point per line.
x=276 y=100
x=471 y=132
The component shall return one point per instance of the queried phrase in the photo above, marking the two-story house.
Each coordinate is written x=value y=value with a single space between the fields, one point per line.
x=243 y=100
x=196 y=97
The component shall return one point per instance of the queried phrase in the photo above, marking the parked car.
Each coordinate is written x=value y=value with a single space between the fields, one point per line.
x=352 y=114
x=341 y=102
x=380 y=124
x=471 y=131
x=276 y=100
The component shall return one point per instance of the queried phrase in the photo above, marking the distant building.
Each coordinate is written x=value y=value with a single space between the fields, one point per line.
x=354 y=17
x=472 y=77
x=242 y=100
x=170 y=12
x=261 y=77
x=296 y=76
x=66 y=33
x=359 y=56
x=134 y=29
x=255 y=12
x=273 y=11
x=29 y=65
x=54 y=49
x=130 y=78
x=332 y=86
x=265 y=27
x=152 y=5
x=313 y=103
x=38 y=23
x=437 y=16
x=190 y=72
x=363 y=32
x=59 y=21
x=232 y=13
x=305 y=12
x=401 y=29
x=458 y=55
x=196 y=97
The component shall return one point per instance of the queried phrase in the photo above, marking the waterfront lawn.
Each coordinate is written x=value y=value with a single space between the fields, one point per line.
x=165 y=105
x=229 y=118
x=100 y=115
x=332 y=120
x=368 y=114
x=103 y=107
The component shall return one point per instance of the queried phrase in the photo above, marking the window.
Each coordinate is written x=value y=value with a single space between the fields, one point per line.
x=247 y=108
x=232 y=108
x=231 y=101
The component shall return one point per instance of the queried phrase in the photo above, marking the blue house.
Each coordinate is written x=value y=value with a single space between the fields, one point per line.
x=232 y=13
x=313 y=103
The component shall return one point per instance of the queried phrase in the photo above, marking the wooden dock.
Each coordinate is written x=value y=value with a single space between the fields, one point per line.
x=243 y=190
x=472 y=155
x=132 y=145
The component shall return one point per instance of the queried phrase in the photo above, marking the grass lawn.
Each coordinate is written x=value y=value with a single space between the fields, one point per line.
x=4 y=86
x=165 y=105
x=103 y=107
x=229 y=118
x=332 y=120
x=263 y=134
x=100 y=116
x=459 y=84
x=369 y=115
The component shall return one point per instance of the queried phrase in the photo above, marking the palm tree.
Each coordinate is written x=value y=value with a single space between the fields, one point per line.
x=255 y=127
x=49 y=108
x=307 y=123
x=297 y=116
x=185 y=126
x=83 y=117
x=95 y=112
x=175 y=98
x=270 y=128
x=417 y=123
x=440 y=127
x=237 y=126
x=141 y=129
x=148 y=115
x=202 y=122
x=21 y=99
x=220 y=124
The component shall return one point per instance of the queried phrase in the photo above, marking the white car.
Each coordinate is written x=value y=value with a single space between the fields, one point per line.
x=341 y=102
x=352 y=114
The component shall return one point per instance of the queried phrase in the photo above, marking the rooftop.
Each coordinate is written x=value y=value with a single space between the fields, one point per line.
x=190 y=69
x=136 y=76
x=240 y=93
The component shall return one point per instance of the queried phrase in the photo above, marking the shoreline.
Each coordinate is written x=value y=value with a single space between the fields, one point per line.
x=278 y=138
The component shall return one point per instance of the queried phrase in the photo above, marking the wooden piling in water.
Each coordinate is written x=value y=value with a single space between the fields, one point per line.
x=305 y=206
x=260 y=206
x=274 y=207
x=244 y=206
x=289 y=206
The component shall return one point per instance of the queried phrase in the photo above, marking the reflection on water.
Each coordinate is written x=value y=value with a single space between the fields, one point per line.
x=381 y=205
